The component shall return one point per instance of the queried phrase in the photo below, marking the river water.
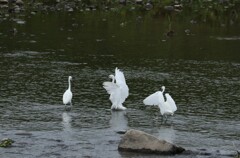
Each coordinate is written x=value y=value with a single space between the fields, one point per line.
x=199 y=66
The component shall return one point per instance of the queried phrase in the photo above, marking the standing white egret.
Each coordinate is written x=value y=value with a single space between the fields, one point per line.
x=167 y=107
x=117 y=89
x=67 y=96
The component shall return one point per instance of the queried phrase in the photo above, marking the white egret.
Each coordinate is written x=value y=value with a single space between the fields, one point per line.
x=117 y=89
x=67 y=96
x=167 y=107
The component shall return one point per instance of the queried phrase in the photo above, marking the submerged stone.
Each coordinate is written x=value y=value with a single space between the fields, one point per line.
x=121 y=132
x=138 y=141
x=3 y=2
x=19 y=2
x=6 y=142
x=169 y=8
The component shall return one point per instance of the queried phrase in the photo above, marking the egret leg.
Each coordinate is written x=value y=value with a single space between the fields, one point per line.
x=113 y=107
x=162 y=119
x=71 y=105
x=165 y=118
x=68 y=107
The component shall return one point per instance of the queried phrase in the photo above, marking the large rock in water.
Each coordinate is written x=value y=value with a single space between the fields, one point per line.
x=138 y=141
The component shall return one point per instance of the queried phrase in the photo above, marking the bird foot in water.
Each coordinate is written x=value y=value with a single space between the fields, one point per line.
x=118 y=108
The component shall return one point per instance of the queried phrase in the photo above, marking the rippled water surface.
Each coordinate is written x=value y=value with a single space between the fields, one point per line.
x=201 y=71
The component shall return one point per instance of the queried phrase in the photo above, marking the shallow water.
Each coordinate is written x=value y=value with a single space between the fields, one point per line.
x=200 y=71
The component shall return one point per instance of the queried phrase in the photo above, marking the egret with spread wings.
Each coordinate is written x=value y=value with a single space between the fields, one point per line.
x=117 y=89
x=167 y=107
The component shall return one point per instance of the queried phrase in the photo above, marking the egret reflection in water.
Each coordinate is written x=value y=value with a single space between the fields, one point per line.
x=66 y=121
x=119 y=121
x=167 y=133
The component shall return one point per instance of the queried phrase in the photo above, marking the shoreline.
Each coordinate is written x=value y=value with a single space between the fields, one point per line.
x=222 y=12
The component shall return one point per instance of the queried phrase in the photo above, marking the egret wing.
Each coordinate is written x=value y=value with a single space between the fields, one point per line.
x=165 y=109
x=119 y=76
x=154 y=99
x=115 y=92
x=121 y=82
x=171 y=102
x=124 y=92
x=110 y=87
x=115 y=96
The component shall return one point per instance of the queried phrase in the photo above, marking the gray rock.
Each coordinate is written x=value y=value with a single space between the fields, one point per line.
x=3 y=2
x=148 y=6
x=70 y=10
x=19 y=2
x=138 y=141
x=139 y=1
x=122 y=2
x=17 y=9
x=169 y=8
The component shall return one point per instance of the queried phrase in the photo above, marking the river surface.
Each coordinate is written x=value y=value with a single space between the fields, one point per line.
x=199 y=66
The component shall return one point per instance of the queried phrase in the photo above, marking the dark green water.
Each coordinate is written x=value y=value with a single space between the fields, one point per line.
x=200 y=70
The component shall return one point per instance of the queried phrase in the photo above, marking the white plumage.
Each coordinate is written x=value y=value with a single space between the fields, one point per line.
x=67 y=96
x=167 y=107
x=171 y=102
x=117 y=89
